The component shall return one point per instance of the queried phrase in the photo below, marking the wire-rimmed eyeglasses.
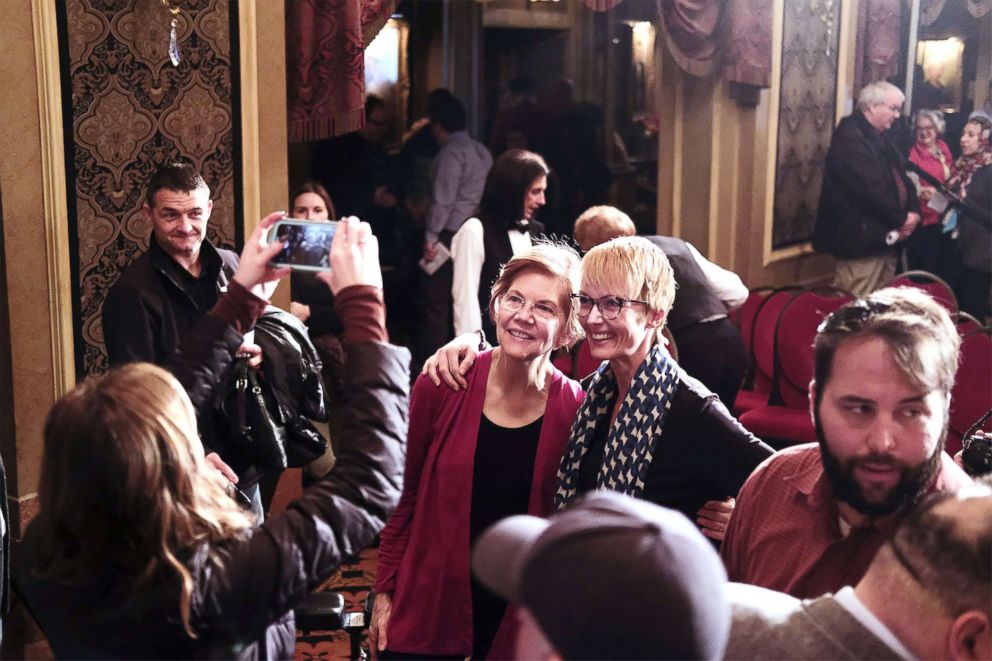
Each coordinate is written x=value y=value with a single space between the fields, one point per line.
x=512 y=302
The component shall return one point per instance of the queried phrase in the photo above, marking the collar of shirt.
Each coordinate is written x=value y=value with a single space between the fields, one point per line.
x=813 y=482
x=850 y=602
x=209 y=259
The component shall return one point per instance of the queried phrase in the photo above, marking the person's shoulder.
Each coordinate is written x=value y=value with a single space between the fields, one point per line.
x=568 y=388
x=754 y=603
x=135 y=278
x=228 y=256
x=783 y=465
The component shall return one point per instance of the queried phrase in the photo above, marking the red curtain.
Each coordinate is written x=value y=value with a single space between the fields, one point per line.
x=694 y=32
x=705 y=35
x=325 y=66
x=877 y=50
x=748 y=59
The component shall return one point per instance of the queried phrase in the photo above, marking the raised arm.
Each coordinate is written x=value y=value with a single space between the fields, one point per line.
x=343 y=512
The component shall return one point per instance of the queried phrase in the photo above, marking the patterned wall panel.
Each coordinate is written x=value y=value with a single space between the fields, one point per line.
x=132 y=111
x=807 y=100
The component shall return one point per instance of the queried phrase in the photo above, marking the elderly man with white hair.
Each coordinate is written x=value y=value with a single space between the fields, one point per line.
x=867 y=203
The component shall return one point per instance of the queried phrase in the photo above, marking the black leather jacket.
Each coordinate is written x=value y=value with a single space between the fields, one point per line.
x=155 y=305
x=246 y=587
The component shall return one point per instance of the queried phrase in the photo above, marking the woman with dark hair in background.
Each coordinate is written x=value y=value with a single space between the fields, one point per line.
x=504 y=226
x=137 y=550
x=312 y=303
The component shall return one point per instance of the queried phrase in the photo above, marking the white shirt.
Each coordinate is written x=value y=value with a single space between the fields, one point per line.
x=468 y=252
x=458 y=178
x=846 y=598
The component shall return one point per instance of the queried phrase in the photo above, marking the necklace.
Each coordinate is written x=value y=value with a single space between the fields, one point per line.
x=173 y=42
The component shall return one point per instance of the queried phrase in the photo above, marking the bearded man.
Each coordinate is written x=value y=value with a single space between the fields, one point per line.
x=811 y=518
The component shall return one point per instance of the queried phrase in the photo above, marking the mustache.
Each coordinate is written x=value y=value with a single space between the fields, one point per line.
x=876 y=458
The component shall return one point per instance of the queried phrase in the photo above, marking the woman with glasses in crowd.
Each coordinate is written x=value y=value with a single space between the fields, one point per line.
x=928 y=248
x=138 y=551
x=645 y=428
x=475 y=456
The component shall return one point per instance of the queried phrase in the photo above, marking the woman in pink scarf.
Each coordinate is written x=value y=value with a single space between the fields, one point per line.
x=928 y=247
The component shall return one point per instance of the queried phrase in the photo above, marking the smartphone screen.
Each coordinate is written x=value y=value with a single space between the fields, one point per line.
x=307 y=243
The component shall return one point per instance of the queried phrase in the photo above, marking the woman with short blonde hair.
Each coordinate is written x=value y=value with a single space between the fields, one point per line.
x=645 y=428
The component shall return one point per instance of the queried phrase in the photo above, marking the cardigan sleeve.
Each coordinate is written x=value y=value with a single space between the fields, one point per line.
x=424 y=403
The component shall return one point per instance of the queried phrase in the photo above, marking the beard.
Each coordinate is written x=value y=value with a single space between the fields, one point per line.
x=913 y=484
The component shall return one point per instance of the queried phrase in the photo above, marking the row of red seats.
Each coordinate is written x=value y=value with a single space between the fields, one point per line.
x=779 y=326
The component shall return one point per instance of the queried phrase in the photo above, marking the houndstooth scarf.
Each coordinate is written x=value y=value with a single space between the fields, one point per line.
x=631 y=442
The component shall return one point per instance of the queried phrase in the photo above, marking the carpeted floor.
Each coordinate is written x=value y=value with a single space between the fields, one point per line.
x=354 y=581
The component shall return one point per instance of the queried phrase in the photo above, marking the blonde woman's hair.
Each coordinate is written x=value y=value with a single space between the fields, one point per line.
x=555 y=260
x=601 y=223
x=634 y=268
x=124 y=481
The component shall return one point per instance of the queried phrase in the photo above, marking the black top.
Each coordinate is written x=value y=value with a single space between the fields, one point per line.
x=694 y=299
x=501 y=481
x=703 y=453
x=155 y=304
x=860 y=199
x=244 y=587
x=305 y=288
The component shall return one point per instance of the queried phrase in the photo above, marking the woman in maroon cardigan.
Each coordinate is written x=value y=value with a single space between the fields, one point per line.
x=475 y=456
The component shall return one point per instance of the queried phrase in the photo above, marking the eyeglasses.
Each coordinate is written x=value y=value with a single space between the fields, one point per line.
x=923 y=127
x=609 y=306
x=514 y=303
x=896 y=109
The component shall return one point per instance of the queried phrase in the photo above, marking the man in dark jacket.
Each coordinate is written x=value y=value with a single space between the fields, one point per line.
x=867 y=202
x=160 y=297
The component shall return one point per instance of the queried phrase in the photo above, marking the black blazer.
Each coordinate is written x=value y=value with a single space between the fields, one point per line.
x=859 y=201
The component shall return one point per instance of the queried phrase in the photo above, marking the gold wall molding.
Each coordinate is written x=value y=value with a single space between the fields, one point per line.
x=845 y=67
x=56 y=217
x=264 y=145
x=250 y=155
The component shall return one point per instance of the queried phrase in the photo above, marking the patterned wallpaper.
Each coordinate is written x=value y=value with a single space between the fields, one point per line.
x=807 y=98
x=132 y=111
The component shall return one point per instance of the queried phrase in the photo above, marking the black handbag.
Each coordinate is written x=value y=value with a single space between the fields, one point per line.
x=258 y=432
x=304 y=443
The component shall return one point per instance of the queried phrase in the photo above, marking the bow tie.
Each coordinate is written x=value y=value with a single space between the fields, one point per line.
x=521 y=225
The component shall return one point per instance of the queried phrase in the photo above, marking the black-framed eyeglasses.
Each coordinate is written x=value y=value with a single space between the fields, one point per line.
x=609 y=306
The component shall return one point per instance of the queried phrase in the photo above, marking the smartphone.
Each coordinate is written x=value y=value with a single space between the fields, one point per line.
x=306 y=243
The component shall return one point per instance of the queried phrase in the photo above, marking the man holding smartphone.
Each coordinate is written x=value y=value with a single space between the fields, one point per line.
x=169 y=288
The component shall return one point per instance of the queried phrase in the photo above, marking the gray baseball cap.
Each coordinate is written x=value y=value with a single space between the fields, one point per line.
x=611 y=578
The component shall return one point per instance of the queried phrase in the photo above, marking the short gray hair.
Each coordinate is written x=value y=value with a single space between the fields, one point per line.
x=874 y=94
x=934 y=116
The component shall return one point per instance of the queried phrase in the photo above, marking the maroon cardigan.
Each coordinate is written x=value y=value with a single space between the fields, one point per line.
x=424 y=549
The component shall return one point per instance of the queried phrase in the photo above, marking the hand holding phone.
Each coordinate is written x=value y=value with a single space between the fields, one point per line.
x=354 y=256
x=306 y=244
x=254 y=271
